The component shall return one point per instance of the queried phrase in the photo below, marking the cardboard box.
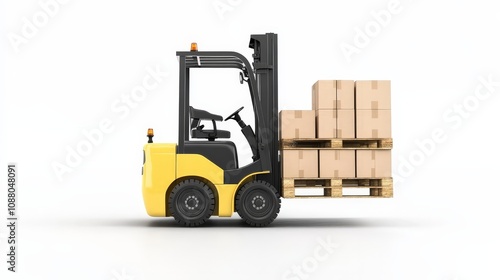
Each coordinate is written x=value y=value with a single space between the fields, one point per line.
x=345 y=94
x=373 y=163
x=373 y=95
x=333 y=94
x=300 y=163
x=337 y=163
x=297 y=124
x=345 y=123
x=373 y=123
x=326 y=123
x=324 y=95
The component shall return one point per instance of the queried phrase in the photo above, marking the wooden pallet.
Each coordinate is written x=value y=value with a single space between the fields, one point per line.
x=337 y=143
x=333 y=187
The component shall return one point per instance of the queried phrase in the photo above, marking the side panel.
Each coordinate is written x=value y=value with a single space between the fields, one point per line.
x=158 y=174
x=198 y=165
x=226 y=199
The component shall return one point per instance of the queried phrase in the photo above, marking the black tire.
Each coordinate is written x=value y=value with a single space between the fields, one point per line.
x=258 y=203
x=191 y=202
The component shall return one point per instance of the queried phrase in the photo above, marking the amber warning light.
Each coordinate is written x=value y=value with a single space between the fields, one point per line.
x=150 y=135
x=194 y=47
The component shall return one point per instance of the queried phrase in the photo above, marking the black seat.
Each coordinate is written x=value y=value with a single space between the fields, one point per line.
x=197 y=130
x=210 y=134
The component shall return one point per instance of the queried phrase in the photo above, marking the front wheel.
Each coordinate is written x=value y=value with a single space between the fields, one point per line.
x=258 y=203
x=191 y=202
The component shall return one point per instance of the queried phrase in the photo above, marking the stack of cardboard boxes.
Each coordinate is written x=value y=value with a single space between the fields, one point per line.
x=298 y=163
x=357 y=112
x=373 y=120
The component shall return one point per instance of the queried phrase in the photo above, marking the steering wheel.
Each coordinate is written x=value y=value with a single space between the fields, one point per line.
x=234 y=114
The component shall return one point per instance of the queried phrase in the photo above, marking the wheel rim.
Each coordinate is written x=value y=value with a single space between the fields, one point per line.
x=191 y=202
x=258 y=203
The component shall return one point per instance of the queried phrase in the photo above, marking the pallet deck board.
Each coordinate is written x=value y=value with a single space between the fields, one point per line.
x=332 y=187
x=337 y=143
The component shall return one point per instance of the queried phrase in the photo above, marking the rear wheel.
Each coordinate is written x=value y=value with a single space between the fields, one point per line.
x=258 y=203
x=191 y=202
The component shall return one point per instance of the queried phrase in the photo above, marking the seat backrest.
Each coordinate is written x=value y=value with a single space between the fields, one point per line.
x=203 y=115
x=195 y=121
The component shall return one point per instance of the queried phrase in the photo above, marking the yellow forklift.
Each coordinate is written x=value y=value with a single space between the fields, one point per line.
x=200 y=176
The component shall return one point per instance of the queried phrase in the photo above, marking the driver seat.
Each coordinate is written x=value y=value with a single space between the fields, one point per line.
x=197 y=130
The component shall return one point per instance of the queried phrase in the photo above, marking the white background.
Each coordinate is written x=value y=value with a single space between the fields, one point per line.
x=66 y=76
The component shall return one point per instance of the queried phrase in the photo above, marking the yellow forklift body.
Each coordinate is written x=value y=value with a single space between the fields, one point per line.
x=163 y=166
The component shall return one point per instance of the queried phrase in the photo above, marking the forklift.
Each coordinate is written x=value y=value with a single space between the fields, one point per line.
x=200 y=176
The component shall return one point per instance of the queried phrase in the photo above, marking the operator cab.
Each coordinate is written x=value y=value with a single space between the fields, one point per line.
x=196 y=139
